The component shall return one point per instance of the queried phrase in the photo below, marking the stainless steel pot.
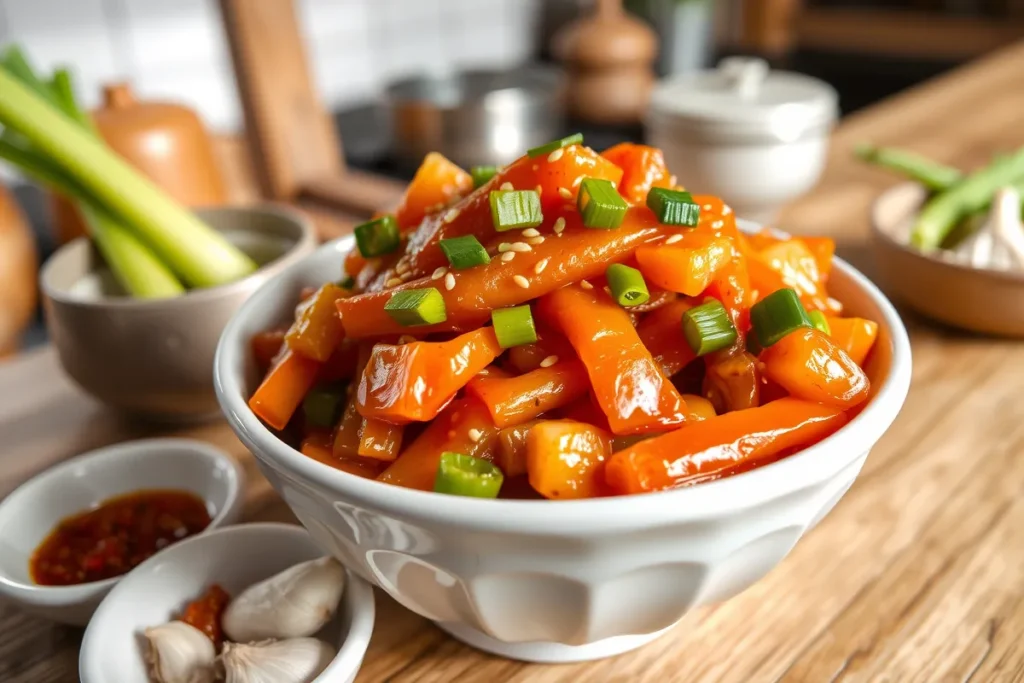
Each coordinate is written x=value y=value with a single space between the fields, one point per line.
x=476 y=117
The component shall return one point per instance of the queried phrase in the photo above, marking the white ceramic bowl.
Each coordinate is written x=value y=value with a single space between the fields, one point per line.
x=235 y=558
x=31 y=512
x=567 y=580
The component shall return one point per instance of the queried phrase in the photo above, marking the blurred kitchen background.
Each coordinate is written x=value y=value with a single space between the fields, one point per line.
x=177 y=51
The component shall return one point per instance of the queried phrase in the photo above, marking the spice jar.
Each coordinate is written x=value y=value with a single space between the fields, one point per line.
x=609 y=59
x=755 y=137
x=167 y=142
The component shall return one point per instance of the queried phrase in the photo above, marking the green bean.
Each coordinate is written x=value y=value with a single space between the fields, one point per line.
x=942 y=212
x=931 y=174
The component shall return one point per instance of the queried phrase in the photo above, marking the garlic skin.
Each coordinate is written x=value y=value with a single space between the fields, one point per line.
x=296 y=660
x=292 y=604
x=179 y=653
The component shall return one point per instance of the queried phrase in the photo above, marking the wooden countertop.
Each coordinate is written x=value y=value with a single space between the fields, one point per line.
x=917 y=575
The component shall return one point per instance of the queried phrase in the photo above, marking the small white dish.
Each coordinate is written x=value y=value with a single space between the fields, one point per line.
x=31 y=512
x=235 y=558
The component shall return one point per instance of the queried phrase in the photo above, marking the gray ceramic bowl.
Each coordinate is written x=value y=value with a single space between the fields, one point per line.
x=155 y=358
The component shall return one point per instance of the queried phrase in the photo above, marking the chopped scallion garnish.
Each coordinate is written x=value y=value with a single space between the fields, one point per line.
x=481 y=174
x=464 y=475
x=464 y=252
x=322 y=406
x=511 y=209
x=673 y=207
x=412 y=307
x=600 y=204
x=514 y=326
x=776 y=315
x=575 y=139
x=819 y=321
x=627 y=285
x=707 y=327
x=377 y=237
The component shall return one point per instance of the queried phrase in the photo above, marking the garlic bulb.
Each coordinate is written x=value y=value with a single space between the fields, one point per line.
x=296 y=660
x=179 y=653
x=295 y=603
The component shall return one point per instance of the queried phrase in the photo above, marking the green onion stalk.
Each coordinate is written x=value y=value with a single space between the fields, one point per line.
x=45 y=116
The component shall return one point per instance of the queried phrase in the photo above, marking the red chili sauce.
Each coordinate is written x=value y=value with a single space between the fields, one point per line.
x=115 y=537
x=205 y=612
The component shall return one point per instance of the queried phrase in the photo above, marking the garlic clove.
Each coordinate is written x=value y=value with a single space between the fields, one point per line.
x=292 y=604
x=1007 y=228
x=296 y=660
x=179 y=653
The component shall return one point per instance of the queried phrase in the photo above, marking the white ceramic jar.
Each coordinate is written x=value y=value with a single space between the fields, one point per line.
x=755 y=137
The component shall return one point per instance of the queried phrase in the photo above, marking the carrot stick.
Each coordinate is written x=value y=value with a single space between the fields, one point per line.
x=661 y=331
x=565 y=459
x=347 y=435
x=265 y=347
x=732 y=380
x=642 y=167
x=413 y=382
x=702 y=450
x=630 y=388
x=577 y=254
x=856 y=336
x=317 y=328
x=317 y=446
x=465 y=427
x=688 y=266
x=283 y=389
x=511 y=454
x=513 y=400
x=809 y=365
x=797 y=267
x=380 y=440
x=437 y=183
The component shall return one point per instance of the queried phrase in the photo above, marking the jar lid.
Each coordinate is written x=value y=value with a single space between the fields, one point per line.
x=743 y=98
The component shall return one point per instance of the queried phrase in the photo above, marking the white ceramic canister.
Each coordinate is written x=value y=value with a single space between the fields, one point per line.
x=755 y=137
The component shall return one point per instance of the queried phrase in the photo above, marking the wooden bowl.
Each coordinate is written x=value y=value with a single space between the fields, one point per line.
x=975 y=299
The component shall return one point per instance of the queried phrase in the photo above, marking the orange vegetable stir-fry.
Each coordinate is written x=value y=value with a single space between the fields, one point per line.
x=574 y=325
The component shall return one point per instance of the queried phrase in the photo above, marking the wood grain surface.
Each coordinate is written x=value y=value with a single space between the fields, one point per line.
x=916 y=576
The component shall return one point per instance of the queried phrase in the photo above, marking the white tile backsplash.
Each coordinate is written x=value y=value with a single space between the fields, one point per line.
x=175 y=49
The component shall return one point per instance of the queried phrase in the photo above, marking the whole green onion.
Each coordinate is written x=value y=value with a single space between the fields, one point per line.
x=464 y=475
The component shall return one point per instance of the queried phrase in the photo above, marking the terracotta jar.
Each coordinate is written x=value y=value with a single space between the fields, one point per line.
x=18 y=272
x=609 y=58
x=167 y=142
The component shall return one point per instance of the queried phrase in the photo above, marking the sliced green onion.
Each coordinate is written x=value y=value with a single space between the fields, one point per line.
x=348 y=283
x=708 y=328
x=511 y=209
x=776 y=315
x=464 y=252
x=574 y=139
x=819 y=321
x=673 y=207
x=514 y=326
x=600 y=204
x=464 y=475
x=481 y=174
x=627 y=285
x=753 y=346
x=378 y=237
x=412 y=307
x=322 y=406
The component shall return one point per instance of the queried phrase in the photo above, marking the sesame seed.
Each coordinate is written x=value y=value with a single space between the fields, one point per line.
x=536 y=167
x=521 y=281
x=579 y=179
x=520 y=247
x=539 y=239
x=505 y=186
x=439 y=273
x=556 y=155
x=607 y=290
x=717 y=225
x=503 y=247
x=706 y=207
x=339 y=315
x=559 y=225
x=508 y=256
x=540 y=190
x=393 y=282
x=530 y=232
x=405 y=277
x=541 y=265
x=549 y=361
x=451 y=215
x=564 y=193
x=475 y=435
x=402 y=267
x=449 y=282
x=672 y=239
x=586 y=285
x=451 y=434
